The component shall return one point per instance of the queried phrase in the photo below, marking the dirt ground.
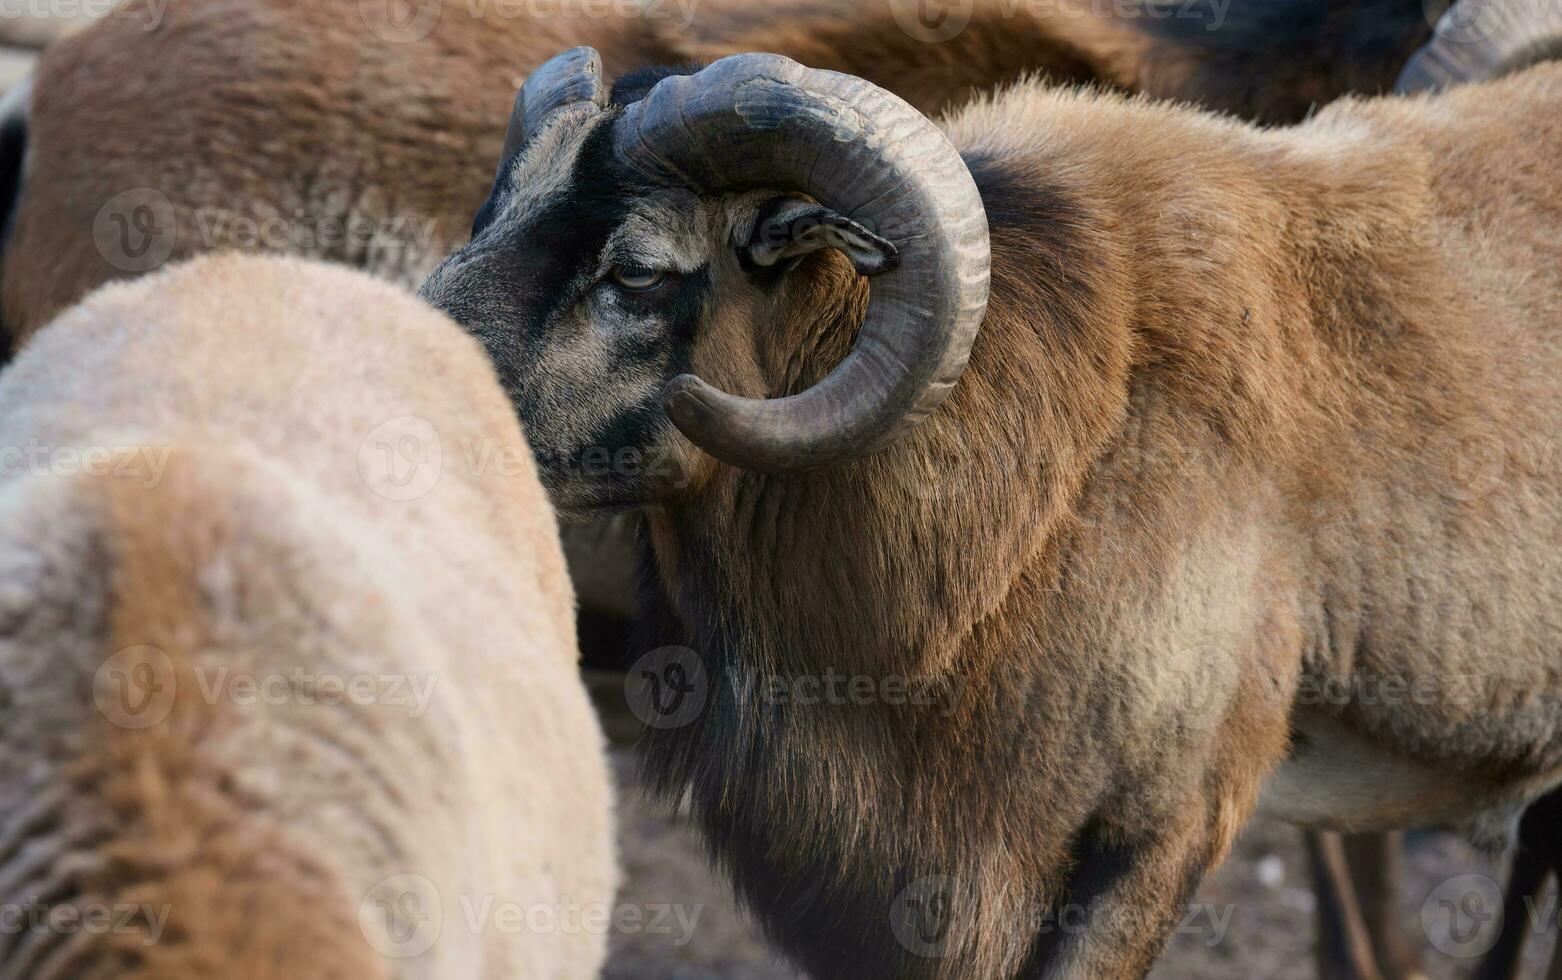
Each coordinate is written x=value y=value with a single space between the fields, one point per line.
x=1260 y=895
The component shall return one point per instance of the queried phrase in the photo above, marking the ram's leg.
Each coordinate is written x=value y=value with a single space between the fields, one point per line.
x=1539 y=855
x=1344 y=950
x=1525 y=883
x=1377 y=868
x=1125 y=898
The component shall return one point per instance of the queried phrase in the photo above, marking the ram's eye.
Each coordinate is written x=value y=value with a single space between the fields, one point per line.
x=638 y=279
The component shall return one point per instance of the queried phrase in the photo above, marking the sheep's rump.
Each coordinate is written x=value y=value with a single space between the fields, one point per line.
x=286 y=645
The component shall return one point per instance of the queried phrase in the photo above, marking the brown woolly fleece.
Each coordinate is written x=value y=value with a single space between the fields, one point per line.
x=1249 y=499
x=283 y=709
x=1251 y=492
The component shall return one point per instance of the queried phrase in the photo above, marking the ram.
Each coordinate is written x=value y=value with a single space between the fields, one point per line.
x=287 y=688
x=1132 y=434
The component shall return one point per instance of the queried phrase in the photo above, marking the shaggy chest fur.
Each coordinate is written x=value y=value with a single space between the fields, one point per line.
x=971 y=819
x=873 y=835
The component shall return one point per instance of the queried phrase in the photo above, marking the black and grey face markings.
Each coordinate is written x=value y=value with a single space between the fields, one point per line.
x=677 y=308
x=584 y=355
x=562 y=250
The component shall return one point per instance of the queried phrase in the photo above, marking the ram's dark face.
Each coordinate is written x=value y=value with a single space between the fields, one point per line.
x=589 y=292
x=599 y=285
x=593 y=290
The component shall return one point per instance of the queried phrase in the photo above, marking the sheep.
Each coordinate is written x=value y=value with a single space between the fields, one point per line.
x=357 y=132
x=293 y=125
x=278 y=704
x=1110 y=451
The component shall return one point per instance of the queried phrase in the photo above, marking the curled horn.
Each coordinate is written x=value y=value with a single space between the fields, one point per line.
x=567 y=79
x=1478 y=40
x=764 y=122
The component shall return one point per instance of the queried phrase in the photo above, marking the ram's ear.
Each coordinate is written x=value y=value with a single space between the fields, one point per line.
x=789 y=228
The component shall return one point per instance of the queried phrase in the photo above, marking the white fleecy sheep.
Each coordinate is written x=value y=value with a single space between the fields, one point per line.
x=286 y=648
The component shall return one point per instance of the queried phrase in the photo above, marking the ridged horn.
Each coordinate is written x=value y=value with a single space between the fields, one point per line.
x=1476 y=40
x=764 y=122
x=566 y=79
